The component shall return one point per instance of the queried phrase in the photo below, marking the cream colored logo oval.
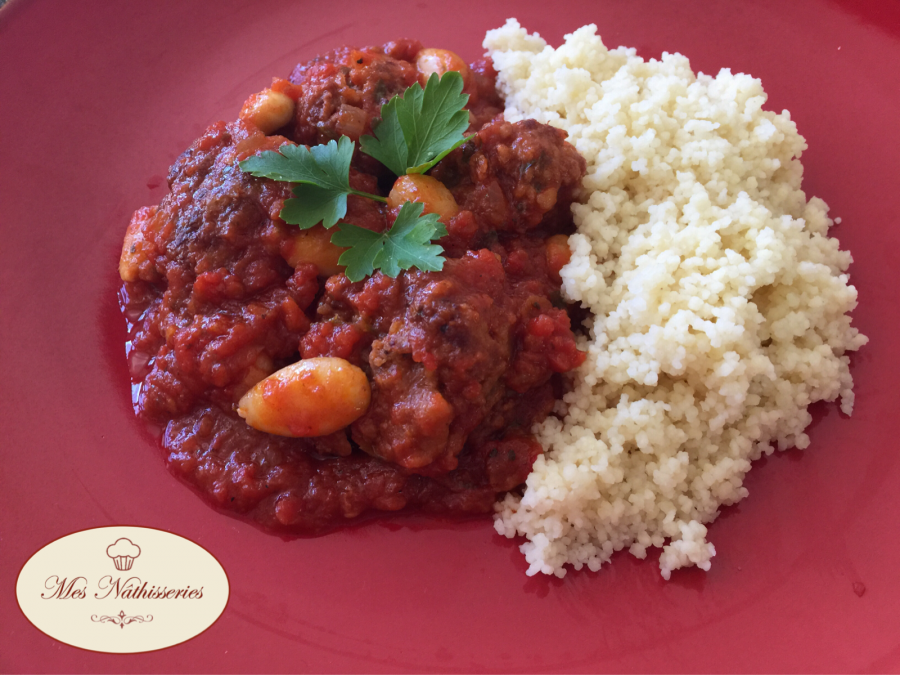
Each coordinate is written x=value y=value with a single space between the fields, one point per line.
x=122 y=589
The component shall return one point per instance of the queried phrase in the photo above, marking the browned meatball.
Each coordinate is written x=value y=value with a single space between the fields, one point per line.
x=445 y=351
x=511 y=175
x=343 y=90
x=227 y=316
x=484 y=101
x=439 y=368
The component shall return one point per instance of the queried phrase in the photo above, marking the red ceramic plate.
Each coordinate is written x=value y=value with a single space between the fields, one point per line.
x=98 y=98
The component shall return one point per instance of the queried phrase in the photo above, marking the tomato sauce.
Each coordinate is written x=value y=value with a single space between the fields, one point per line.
x=461 y=363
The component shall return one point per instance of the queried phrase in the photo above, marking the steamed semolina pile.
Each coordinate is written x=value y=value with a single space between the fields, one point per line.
x=718 y=302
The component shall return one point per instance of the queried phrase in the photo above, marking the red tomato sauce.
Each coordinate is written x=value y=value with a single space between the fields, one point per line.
x=461 y=363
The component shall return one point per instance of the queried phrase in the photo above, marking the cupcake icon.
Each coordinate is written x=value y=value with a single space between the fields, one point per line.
x=123 y=552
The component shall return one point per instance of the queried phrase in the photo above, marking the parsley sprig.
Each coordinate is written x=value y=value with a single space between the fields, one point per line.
x=321 y=175
x=406 y=245
x=416 y=132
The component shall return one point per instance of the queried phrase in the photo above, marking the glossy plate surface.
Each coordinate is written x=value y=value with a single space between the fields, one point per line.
x=98 y=98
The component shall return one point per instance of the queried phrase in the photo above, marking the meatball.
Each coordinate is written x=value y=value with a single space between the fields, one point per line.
x=445 y=350
x=226 y=317
x=512 y=175
x=343 y=91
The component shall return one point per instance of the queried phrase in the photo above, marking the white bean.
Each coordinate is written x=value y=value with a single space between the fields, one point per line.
x=314 y=246
x=134 y=262
x=427 y=191
x=440 y=61
x=268 y=110
x=310 y=398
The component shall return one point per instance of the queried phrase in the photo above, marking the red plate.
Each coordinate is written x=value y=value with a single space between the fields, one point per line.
x=98 y=98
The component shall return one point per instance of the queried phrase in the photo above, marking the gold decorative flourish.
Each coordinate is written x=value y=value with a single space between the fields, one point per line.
x=121 y=619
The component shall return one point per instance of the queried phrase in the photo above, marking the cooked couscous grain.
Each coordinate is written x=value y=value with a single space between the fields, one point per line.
x=719 y=304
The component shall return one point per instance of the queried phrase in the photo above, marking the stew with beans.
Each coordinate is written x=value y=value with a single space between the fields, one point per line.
x=291 y=395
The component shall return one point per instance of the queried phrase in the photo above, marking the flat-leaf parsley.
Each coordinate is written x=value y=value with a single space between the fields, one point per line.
x=404 y=246
x=415 y=133
x=321 y=175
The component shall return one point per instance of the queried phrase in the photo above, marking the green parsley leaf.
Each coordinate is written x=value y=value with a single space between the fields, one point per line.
x=388 y=145
x=326 y=165
x=407 y=244
x=419 y=129
x=312 y=205
x=321 y=175
x=364 y=245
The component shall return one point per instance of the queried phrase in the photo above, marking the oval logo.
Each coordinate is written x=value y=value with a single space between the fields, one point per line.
x=122 y=589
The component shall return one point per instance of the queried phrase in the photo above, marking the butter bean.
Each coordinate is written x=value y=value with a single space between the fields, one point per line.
x=314 y=246
x=440 y=61
x=268 y=110
x=310 y=398
x=427 y=191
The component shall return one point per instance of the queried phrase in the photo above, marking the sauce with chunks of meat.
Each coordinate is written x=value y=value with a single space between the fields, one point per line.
x=445 y=373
